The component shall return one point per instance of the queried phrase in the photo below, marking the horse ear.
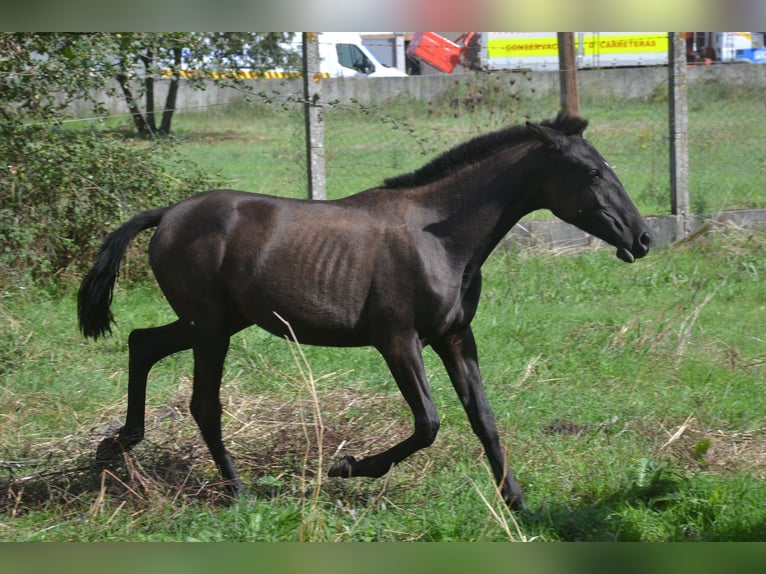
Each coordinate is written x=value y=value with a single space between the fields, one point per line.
x=548 y=136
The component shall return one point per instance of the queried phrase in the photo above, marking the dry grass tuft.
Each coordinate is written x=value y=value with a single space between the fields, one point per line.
x=272 y=439
x=695 y=447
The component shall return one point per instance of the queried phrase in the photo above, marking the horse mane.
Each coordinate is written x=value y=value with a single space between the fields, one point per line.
x=478 y=148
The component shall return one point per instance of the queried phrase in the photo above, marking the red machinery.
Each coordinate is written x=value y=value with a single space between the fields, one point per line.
x=438 y=51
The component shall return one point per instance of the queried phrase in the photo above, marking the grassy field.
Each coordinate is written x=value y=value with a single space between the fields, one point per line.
x=258 y=147
x=629 y=397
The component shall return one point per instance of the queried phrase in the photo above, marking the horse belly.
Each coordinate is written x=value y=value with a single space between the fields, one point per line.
x=319 y=288
x=315 y=318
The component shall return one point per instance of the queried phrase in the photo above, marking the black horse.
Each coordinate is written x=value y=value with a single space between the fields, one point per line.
x=396 y=267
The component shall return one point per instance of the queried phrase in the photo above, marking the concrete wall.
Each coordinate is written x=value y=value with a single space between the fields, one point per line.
x=664 y=228
x=617 y=82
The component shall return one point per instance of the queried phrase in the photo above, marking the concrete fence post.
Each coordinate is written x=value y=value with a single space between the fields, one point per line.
x=678 y=133
x=312 y=93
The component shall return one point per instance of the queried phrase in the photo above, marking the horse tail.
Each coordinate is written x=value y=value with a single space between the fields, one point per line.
x=95 y=295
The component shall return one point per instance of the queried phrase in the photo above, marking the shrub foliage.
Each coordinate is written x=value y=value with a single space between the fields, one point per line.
x=61 y=192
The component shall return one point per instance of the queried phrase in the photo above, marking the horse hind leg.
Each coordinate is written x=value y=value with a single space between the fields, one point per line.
x=406 y=365
x=146 y=348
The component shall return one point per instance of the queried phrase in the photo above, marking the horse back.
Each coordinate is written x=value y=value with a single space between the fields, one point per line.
x=253 y=256
x=335 y=271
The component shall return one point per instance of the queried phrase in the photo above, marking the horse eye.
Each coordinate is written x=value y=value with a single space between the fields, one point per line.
x=594 y=174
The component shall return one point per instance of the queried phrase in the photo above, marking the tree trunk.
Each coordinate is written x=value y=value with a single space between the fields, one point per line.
x=170 y=105
x=135 y=112
x=149 y=87
x=170 y=100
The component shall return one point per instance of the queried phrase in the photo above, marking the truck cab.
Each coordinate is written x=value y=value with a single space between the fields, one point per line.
x=342 y=55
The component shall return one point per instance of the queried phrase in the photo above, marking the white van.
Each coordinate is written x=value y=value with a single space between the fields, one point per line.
x=342 y=55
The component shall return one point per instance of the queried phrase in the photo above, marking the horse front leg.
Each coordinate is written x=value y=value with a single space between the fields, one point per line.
x=146 y=348
x=460 y=358
x=404 y=359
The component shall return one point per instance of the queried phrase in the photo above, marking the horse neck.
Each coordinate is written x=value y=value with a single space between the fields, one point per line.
x=479 y=204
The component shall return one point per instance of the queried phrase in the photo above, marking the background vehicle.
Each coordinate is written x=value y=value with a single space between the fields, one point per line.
x=727 y=46
x=539 y=50
x=343 y=55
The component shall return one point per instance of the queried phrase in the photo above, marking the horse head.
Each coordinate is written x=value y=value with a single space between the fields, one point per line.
x=581 y=188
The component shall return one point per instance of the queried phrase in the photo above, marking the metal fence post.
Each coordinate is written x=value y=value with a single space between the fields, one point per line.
x=679 y=133
x=312 y=82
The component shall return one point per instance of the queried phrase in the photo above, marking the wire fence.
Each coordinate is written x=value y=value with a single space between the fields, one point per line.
x=368 y=137
x=727 y=134
x=375 y=128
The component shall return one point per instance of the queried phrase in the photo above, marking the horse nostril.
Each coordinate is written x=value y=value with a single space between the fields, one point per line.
x=645 y=239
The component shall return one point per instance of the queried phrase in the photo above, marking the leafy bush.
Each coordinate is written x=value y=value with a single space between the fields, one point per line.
x=62 y=191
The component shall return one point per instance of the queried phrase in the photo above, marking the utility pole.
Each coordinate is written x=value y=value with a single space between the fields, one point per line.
x=679 y=133
x=570 y=99
x=312 y=92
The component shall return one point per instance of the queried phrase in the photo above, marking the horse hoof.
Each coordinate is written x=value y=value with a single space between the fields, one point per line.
x=108 y=449
x=343 y=468
x=517 y=505
x=234 y=488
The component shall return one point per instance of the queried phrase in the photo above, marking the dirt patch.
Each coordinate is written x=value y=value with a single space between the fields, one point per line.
x=567 y=427
x=278 y=445
x=689 y=444
x=695 y=447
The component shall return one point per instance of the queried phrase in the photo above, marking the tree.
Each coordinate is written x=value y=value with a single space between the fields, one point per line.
x=142 y=57
x=63 y=190
x=41 y=74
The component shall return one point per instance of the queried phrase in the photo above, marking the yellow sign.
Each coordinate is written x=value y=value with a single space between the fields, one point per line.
x=592 y=44
x=623 y=44
x=522 y=47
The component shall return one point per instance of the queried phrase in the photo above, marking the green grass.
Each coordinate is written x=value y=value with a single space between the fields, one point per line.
x=629 y=397
x=260 y=147
x=655 y=369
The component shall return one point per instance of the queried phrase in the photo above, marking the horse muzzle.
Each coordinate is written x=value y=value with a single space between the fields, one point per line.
x=639 y=248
